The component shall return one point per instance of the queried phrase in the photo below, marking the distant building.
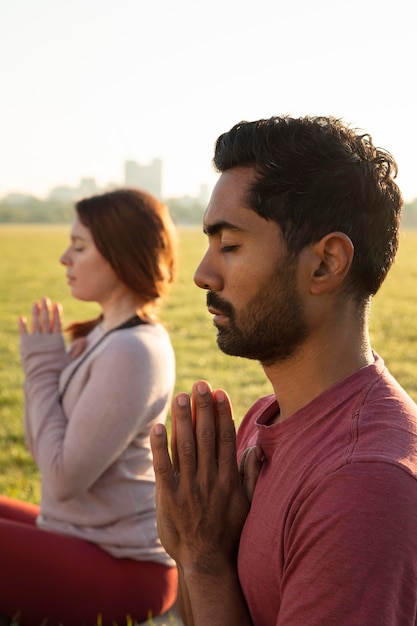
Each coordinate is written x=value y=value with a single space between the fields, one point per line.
x=147 y=177
x=87 y=187
x=62 y=194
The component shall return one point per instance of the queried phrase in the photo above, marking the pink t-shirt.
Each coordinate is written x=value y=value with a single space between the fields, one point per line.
x=331 y=537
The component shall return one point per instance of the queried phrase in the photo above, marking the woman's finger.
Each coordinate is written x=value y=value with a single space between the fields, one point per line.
x=35 y=324
x=23 y=328
x=45 y=318
x=57 y=318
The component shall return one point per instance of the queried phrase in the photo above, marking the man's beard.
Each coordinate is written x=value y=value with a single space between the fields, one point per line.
x=272 y=325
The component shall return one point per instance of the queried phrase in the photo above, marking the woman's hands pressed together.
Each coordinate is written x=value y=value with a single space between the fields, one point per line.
x=46 y=318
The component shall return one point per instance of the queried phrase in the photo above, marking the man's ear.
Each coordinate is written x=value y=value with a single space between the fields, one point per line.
x=332 y=258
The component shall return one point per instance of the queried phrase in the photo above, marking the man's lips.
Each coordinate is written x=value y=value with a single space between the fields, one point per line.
x=217 y=314
x=219 y=308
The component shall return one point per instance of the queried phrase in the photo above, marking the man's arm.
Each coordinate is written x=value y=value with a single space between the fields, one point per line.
x=202 y=505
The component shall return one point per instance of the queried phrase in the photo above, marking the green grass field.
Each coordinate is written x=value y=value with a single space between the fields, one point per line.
x=30 y=269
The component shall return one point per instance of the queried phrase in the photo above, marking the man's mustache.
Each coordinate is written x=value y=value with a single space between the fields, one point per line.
x=222 y=306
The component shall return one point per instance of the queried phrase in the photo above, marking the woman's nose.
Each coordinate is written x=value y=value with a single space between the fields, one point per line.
x=64 y=258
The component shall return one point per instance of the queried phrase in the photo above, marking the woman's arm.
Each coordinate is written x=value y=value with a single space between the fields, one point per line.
x=120 y=396
x=43 y=354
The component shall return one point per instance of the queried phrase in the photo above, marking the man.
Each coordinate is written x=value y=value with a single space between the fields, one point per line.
x=314 y=524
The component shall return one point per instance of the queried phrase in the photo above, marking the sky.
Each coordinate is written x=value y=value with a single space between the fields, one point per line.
x=88 y=84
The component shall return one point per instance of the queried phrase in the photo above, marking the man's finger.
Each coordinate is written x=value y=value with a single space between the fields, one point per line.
x=226 y=431
x=174 y=449
x=183 y=443
x=205 y=428
x=164 y=473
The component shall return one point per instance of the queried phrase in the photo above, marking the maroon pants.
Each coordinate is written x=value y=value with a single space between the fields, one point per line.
x=58 y=579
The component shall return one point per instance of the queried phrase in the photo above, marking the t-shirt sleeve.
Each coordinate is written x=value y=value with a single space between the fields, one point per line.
x=348 y=560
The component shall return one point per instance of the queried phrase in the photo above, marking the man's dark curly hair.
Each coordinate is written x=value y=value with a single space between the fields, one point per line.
x=316 y=175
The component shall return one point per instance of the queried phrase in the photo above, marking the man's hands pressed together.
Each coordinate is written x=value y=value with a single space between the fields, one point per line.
x=202 y=502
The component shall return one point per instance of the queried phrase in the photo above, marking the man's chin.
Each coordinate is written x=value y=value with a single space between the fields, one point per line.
x=226 y=346
x=235 y=348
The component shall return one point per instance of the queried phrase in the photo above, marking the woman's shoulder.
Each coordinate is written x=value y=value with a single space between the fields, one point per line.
x=142 y=338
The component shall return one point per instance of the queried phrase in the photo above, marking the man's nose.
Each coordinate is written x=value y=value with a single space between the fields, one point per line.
x=207 y=276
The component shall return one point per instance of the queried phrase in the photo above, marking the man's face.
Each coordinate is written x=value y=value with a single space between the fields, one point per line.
x=251 y=283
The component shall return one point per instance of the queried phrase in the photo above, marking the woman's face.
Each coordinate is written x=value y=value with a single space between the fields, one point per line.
x=89 y=275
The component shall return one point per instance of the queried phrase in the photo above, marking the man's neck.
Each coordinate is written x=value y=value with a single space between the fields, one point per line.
x=314 y=368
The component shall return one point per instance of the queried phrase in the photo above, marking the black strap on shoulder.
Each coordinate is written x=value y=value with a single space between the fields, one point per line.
x=133 y=321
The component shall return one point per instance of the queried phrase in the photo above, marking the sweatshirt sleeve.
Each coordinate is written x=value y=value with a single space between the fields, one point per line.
x=43 y=358
x=120 y=398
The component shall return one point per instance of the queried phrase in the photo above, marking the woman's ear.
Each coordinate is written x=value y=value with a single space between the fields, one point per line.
x=332 y=258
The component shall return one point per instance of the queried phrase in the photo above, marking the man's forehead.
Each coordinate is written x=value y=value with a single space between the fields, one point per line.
x=228 y=207
x=214 y=227
x=239 y=218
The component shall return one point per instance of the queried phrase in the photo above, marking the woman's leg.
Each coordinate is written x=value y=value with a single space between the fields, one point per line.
x=18 y=511
x=62 y=579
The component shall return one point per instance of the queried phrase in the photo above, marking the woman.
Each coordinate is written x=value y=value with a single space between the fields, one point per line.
x=90 y=552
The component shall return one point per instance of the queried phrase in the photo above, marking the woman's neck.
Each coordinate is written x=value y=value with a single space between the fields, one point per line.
x=119 y=312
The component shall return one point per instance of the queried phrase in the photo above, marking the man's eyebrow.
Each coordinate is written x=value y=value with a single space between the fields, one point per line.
x=214 y=229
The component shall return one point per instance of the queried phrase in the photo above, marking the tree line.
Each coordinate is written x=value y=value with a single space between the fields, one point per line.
x=184 y=211
x=32 y=210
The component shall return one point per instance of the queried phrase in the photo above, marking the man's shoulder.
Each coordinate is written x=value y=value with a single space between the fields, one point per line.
x=385 y=396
